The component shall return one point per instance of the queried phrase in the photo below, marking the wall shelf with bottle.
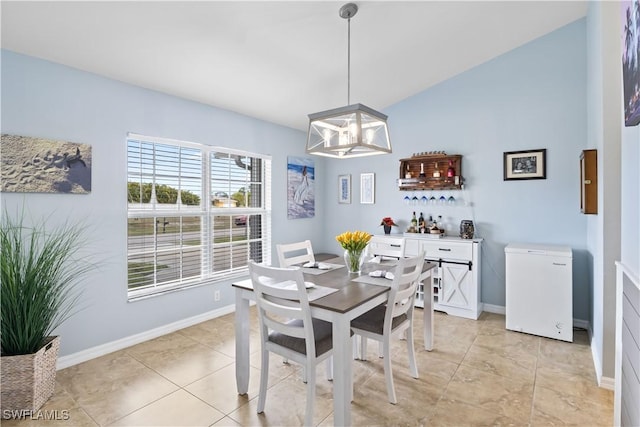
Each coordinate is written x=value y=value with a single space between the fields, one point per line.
x=431 y=171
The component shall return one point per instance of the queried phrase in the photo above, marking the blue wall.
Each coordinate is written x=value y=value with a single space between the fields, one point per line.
x=529 y=98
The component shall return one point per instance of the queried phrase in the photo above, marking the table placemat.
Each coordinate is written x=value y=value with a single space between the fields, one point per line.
x=380 y=281
x=313 y=291
x=319 y=291
x=386 y=262
x=316 y=271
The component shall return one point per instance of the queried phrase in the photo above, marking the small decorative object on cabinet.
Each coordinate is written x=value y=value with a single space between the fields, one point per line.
x=456 y=281
x=589 y=182
x=430 y=176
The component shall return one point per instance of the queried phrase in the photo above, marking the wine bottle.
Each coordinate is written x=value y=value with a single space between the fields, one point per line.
x=414 y=221
x=421 y=222
x=451 y=172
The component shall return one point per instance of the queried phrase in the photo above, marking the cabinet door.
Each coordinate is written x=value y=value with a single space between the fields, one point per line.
x=589 y=182
x=456 y=286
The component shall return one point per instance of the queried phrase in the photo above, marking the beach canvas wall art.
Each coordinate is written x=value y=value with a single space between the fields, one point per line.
x=39 y=165
x=301 y=199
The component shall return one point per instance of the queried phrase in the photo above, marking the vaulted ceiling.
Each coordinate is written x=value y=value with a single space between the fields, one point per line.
x=278 y=61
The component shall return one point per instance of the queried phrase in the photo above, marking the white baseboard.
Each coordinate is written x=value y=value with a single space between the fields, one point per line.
x=608 y=383
x=490 y=308
x=110 y=347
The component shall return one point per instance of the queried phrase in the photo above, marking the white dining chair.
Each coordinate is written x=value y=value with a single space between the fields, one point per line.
x=287 y=328
x=386 y=246
x=393 y=318
x=295 y=253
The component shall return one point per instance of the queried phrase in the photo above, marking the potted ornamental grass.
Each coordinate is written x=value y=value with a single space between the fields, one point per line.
x=39 y=277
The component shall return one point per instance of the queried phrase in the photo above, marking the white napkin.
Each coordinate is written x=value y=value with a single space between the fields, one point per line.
x=318 y=265
x=376 y=260
x=381 y=273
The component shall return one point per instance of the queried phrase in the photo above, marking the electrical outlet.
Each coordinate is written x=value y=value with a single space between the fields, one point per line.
x=216 y=296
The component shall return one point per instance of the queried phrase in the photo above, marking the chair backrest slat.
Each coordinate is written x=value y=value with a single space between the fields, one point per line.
x=388 y=246
x=294 y=253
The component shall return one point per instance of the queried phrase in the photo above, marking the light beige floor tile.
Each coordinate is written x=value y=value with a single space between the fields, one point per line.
x=577 y=383
x=285 y=406
x=494 y=361
x=178 y=358
x=508 y=397
x=451 y=412
x=226 y=422
x=220 y=336
x=552 y=407
x=177 y=409
x=112 y=386
x=219 y=389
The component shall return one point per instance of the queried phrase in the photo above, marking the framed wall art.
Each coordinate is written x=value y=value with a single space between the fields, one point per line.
x=344 y=189
x=41 y=165
x=529 y=164
x=367 y=188
x=301 y=198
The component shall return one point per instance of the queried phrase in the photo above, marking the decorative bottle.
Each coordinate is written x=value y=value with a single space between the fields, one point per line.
x=451 y=172
x=421 y=225
x=436 y=171
x=414 y=221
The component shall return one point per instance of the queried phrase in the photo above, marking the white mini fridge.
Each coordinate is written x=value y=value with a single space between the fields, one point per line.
x=539 y=290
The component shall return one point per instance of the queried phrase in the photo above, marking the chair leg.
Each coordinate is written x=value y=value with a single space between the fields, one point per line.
x=264 y=376
x=354 y=341
x=388 y=374
x=363 y=348
x=380 y=349
x=311 y=397
x=413 y=367
x=304 y=374
x=329 y=367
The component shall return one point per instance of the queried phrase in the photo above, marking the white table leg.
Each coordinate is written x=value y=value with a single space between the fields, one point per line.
x=342 y=375
x=428 y=312
x=242 y=343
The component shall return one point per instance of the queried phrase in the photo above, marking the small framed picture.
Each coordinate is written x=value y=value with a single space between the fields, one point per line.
x=367 y=188
x=344 y=189
x=530 y=164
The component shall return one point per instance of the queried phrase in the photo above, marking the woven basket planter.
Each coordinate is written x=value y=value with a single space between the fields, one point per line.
x=27 y=381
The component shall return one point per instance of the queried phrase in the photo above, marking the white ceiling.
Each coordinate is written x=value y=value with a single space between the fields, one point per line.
x=278 y=61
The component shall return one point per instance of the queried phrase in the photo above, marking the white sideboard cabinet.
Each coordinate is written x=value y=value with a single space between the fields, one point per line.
x=456 y=282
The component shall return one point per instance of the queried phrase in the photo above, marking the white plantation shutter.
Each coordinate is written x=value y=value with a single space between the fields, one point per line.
x=196 y=213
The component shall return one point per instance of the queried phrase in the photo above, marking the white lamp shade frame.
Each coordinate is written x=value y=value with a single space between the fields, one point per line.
x=347 y=132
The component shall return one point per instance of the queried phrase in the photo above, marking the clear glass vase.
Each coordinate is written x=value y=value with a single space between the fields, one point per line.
x=354 y=260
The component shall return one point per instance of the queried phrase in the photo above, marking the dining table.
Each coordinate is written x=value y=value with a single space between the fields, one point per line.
x=335 y=296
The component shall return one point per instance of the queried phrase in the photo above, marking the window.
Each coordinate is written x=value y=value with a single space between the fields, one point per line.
x=196 y=214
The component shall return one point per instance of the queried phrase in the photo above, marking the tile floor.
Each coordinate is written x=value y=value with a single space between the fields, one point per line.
x=478 y=374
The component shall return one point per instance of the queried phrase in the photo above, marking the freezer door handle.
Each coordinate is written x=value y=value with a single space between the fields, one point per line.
x=557 y=263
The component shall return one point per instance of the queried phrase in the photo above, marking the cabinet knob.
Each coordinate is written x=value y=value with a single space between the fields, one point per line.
x=587 y=181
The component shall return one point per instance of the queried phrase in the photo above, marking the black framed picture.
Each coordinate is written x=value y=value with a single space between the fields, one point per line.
x=529 y=164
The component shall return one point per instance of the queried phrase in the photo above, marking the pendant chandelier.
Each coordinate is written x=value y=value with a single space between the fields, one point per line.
x=351 y=131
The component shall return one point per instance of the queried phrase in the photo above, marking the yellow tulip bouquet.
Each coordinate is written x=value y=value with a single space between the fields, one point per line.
x=354 y=243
